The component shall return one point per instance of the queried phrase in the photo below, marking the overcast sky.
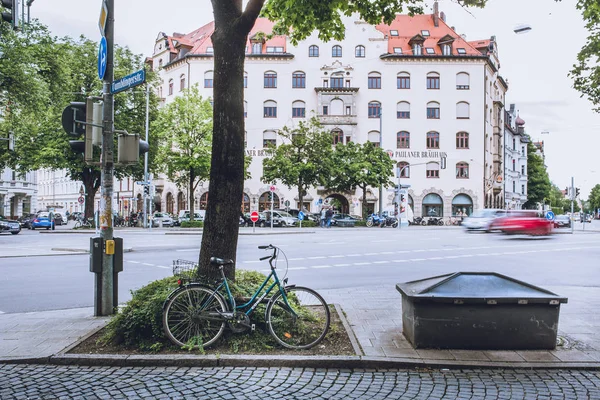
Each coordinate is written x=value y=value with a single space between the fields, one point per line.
x=535 y=64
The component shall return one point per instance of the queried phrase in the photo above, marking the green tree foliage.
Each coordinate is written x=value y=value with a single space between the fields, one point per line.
x=559 y=203
x=184 y=131
x=361 y=165
x=538 y=182
x=594 y=198
x=303 y=160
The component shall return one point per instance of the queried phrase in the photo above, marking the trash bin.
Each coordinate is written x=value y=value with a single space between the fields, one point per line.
x=479 y=310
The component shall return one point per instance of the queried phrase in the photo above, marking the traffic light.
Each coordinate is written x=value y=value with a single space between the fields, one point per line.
x=130 y=147
x=576 y=192
x=146 y=190
x=83 y=118
x=401 y=198
x=11 y=13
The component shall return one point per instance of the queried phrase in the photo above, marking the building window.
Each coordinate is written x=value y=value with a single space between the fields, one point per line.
x=275 y=49
x=522 y=170
x=417 y=49
x=256 y=48
x=514 y=187
x=514 y=165
x=348 y=110
x=181 y=82
x=245 y=109
x=433 y=170
x=461 y=51
x=374 y=137
x=433 y=80
x=522 y=189
x=462 y=170
x=298 y=80
x=514 y=145
x=429 y=50
x=462 y=81
x=403 y=169
x=403 y=80
x=433 y=110
x=397 y=50
x=170 y=87
x=313 y=51
x=523 y=151
x=433 y=140
x=264 y=201
x=298 y=109
x=394 y=32
x=359 y=51
x=160 y=64
x=210 y=50
x=424 y=33
x=462 y=140
x=337 y=82
x=336 y=51
x=403 y=140
x=269 y=139
x=374 y=80
x=462 y=110
x=270 y=109
x=270 y=79
x=337 y=136
x=325 y=110
x=446 y=50
x=245 y=79
x=208 y=79
x=403 y=110
x=374 y=109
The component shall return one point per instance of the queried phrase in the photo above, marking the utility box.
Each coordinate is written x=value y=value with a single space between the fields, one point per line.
x=479 y=310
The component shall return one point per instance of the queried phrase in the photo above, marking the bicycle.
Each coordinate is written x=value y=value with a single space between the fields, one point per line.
x=83 y=223
x=196 y=315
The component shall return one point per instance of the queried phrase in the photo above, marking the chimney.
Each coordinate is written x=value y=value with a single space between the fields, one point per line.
x=443 y=16
x=436 y=14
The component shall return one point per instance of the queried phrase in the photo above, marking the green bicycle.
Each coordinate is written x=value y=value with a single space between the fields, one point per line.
x=297 y=317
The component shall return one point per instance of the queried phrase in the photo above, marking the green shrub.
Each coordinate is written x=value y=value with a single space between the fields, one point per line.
x=308 y=224
x=360 y=223
x=192 y=224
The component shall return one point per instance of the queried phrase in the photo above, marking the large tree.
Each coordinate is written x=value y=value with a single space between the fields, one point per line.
x=538 y=182
x=586 y=71
x=297 y=19
x=303 y=160
x=594 y=198
x=184 y=131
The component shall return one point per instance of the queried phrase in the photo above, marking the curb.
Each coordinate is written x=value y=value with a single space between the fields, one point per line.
x=244 y=233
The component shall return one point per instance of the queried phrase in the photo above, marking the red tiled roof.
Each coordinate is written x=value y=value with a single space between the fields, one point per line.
x=408 y=27
x=480 y=44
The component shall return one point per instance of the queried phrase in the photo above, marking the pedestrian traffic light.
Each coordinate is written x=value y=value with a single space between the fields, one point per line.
x=147 y=190
x=11 y=13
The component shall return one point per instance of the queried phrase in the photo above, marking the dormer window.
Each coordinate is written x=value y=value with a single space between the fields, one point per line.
x=393 y=32
x=397 y=50
x=461 y=50
x=430 y=50
x=209 y=50
x=256 y=48
x=425 y=33
x=417 y=49
x=446 y=50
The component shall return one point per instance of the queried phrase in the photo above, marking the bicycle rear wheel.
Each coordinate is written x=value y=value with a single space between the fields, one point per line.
x=194 y=316
x=302 y=324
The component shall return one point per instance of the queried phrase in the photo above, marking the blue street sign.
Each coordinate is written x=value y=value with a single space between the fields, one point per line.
x=550 y=216
x=300 y=215
x=102 y=57
x=320 y=201
x=129 y=81
x=142 y=183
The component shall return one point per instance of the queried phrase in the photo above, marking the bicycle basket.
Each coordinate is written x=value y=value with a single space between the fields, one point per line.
x=185 y=270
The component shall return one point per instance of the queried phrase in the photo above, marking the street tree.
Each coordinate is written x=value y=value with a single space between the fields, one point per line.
x=594 y=198
x=538 y=182
x=586 y=71
x=303 y=160
x=297 y=19
x=184 y=131
x=362 y=166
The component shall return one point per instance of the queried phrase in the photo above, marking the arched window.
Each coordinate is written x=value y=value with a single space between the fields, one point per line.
x=374 y=80
x=433 y=205
x=245 y=79
x=208 y=79
x=462 y=205
x=264 y=201
x=359 y=51
x=298 y=109
x=337 y=107
x=403 y=168
x=462 y=81
x=403 y=110
x=245 y=109
x=313 y=51
x=181 y=203
x=337 y=136
x=170 y=87
x=462 y=110
x=204 y=201
x=514 y=165
x=269 y=139
x=462 y=140
x=298 y=80
x=462 y=170
x=433 y=80
x=181 y=82
x=374 y=137
x=270 y=79
x=433 y=140
x=374 y=109
x=270 y=109
x=433 y=170
x=337 y=80
x=433 y=110
x=403 y=80
x=403 y=140
x=336 y=51
x=170 y=203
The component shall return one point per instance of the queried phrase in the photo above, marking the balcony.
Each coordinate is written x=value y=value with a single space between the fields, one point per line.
x=338 y=119
x=335 y=90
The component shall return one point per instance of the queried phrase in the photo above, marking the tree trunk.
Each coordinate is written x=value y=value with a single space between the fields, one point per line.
x=91 y=183
x=226 y=187
x=364 y=202
x=191 y=194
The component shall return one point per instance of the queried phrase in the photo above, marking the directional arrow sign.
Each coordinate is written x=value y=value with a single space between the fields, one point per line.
x=102 y=57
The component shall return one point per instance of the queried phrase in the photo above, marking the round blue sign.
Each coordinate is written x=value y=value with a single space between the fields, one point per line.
x=550 y=216
x=300 y=215
x=102 y=57
x=320 y=201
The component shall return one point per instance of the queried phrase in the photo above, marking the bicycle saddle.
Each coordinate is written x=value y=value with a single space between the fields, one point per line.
x=219 y=261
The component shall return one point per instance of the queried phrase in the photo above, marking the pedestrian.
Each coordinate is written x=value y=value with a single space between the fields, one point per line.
x=323 y=216
x=328 y=215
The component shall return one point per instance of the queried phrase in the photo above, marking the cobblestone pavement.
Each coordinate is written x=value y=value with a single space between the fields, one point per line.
x=66 y=382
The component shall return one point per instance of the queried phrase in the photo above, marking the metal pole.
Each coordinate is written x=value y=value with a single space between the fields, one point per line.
x=146 y=156
x=572 y=197
x=107 y=175
x=381 y=147
x=399 y=196
x=272 y=196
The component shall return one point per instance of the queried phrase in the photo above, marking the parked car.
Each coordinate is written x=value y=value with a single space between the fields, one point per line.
x=562 y=221
x=41 y=222
x=523 y=222
x=184 y=216
x=163 y=218
x=343 y=220
x=25 y=220
x=482 y=220
x=294 y=213
x=248 y=222
x=280 y=218
x=9 y=225
x=59 y=220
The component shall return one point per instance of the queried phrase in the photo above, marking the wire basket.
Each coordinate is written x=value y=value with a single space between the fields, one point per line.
x=185 y=270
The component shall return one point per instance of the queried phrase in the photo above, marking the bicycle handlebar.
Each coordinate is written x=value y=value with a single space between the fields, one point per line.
x=264 y=258
x=264 y=247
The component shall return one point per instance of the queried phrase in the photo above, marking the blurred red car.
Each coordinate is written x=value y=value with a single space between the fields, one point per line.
x=523 y=222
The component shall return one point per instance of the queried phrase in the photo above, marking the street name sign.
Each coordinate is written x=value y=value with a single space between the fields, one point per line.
x=142 y=183
x=129 y=81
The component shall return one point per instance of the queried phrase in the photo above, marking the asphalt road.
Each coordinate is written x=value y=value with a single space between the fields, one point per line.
x=326 y=259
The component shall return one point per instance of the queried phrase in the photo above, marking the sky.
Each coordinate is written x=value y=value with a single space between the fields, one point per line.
x=535 y=64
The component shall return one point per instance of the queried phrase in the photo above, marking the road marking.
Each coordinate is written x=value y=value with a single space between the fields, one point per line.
x=362 y=263
x=341 y=265
x=338 y=256
x=383 y=240
x=371 y=254
x=251 y=262
x=321 y=266
x=387 y=252
x=316 y=257
x=381 y=262
x=295 y=268
x=400 y=261
x=293 y=259
x=1 y=312
x=418 y=259
x=150 y=265
x=353 y=255
x=162 y=266
x=436 y=258
x=183 y=250
x=134 y=262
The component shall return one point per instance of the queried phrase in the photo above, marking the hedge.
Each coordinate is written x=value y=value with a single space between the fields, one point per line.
x=192 y=224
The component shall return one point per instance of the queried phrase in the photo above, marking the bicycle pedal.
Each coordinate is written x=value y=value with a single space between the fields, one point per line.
x=252 y=327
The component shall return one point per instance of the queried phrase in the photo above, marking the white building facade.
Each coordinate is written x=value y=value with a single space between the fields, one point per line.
x=515 y=165
x=415 y=85
x=18 y=193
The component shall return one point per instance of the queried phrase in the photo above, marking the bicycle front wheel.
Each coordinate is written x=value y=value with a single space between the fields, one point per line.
x=77 y=225
x=301 y=323
x=194 y=316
